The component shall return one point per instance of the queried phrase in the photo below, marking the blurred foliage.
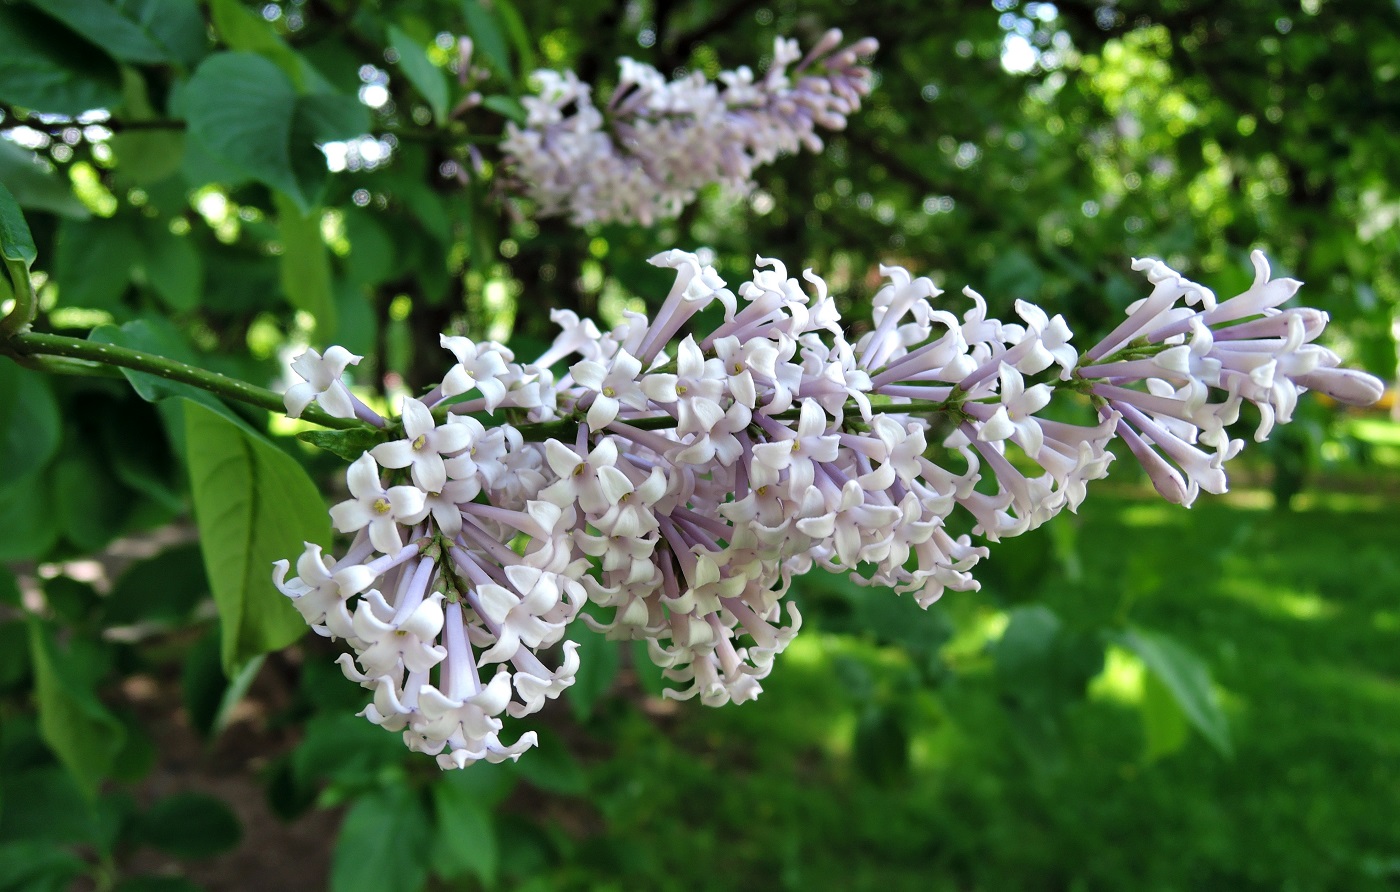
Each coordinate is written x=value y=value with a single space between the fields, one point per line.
x=1068 y=728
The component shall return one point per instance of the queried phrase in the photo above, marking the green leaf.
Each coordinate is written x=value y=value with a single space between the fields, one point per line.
x=519 y=34
x=485 y=30
x=173 y=267
x=1187 y=678
x=306 y=266
x=37 y=866
x=1029 y=636
x=245 y=112
x=30 y=426
x=507 y=107
x=93 y=261
x=79 y=729
x=327 y=117
x=465 y=838
x=1164 y=722
x=160 y=337
x=599 y=660
x=29 y=522
x=347 y=444
x=35 y=184
x=209 y=696
x=139 y=453
x=93 y=507
x=16 y=243
x=138 y=754
x=371 y=257
x=164 y=589
x=139 y=31
x=254 y=505
x=429 y=80
x=345 y=749
x=190 y=825
x=47 y=68
x=380 y=844
x=243 y=30
x=55 y=809
x=240 y=107
x=71 y=600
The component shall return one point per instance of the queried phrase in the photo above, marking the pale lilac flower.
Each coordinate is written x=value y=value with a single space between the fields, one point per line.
x=424 y=445
x=381 y=510
x=322 y=382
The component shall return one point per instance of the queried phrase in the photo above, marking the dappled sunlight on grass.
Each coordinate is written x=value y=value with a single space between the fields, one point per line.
x=1277 y=601
x=1021 y=782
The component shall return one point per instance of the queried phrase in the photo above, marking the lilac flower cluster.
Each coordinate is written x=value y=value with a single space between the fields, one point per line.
x=644 y=157
x=682 y=481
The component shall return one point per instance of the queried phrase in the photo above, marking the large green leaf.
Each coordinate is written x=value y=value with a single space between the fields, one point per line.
x=78 y=728
x=47 y=68
x=16 y=242
x=485 y=28
x=29 y=423
x=254 y=505
x=209 y=695
x=149 y=31
x=93 y=261
x=172 y=266
x=241 y=29
x=427 y=78
x=55 y=808
x=306 y=266
x=380 y=844
x=1187 y=677
x=240 y=107
x=465 y=840
x=245 y=112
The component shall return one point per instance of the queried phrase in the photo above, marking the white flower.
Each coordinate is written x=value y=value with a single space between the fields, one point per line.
x=322 y=383
x=480 y=366
x=387 y=644
x=424 y=445
x=373 y=506
x=613 y=386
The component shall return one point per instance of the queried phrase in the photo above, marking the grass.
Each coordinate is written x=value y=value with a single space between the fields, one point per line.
x=1030 y=782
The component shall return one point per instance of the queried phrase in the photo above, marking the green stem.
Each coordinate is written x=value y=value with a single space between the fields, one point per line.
x=34 y=344
x=26 y=304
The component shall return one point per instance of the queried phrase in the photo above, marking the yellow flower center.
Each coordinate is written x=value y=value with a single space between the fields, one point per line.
x=421 y=441
x=381 y=505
